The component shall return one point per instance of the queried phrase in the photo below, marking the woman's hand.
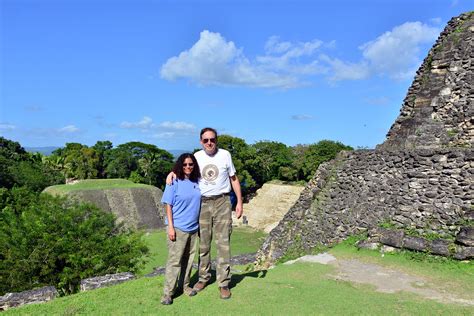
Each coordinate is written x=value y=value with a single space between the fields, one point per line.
x=171 y=233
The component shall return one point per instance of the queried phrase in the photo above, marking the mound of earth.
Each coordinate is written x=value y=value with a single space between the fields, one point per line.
x=268 y=207
x=135 y=207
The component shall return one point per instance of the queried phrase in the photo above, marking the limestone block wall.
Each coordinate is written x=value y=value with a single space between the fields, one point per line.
x=438 y=109
x=429 y=191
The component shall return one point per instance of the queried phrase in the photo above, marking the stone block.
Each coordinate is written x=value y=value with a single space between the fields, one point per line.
x=365 y=244
x=106 y=280
x=40 y=295
x=415 y=243
x=440 y=247
x=392 y=238
x=464 y=253
x=466 y=236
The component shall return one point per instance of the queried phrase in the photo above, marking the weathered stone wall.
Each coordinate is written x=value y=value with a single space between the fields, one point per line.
x=420 y=180
x=428 y=191
x=134 y=207
x=439 y=109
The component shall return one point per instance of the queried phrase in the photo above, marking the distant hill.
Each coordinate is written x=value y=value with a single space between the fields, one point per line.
x=42 y=150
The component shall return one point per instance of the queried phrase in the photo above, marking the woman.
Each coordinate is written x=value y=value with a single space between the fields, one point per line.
x=183 y=202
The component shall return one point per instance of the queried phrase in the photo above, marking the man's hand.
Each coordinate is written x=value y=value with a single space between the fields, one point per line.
x=239 y=209
x=171 y=233
x=170 y=178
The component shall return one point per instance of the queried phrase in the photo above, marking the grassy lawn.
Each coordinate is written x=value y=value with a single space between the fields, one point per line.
x=243 y=240
x=94 y=184
x=298 y=289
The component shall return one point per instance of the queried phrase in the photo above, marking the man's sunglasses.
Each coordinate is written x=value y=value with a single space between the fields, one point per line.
x=206 y=140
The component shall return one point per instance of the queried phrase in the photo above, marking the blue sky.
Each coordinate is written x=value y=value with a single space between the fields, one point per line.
x=158 y=71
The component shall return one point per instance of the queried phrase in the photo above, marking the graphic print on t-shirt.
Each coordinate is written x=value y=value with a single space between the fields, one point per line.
x=210 y=173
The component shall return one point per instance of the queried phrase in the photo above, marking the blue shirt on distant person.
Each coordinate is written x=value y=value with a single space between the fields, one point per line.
x=184 y=197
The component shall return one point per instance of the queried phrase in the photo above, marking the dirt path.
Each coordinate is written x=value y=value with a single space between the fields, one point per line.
x=384 y=279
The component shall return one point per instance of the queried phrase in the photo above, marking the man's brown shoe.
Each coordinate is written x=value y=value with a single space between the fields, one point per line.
x=225 y=292
x=189 y=291
x=198 y=287
x=166 y=300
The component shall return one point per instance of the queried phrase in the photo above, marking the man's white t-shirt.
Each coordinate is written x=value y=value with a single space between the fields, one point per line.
x=215 y=172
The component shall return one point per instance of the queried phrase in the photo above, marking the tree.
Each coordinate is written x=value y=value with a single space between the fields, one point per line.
x=299 y=152
x=20 y=168
x=241 y=154
x=318 y=153
x=80 y=161
x=148 y=163
x=103 y=150
x=270 y=157
x=120 y=163
x=49 y=240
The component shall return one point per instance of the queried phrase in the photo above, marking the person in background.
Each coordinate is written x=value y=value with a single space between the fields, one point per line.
x=215 y=220
x=182 y=200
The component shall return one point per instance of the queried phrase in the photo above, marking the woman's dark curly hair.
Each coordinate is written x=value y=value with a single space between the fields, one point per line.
x=178 y=168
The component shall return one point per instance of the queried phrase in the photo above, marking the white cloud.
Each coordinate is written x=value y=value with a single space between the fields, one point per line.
x=274 y=46
x=341 y=70
x=7 y=127
x=285 y=57
x=213 y=60
x=164 y=135
x=68 y=129
x=177 y=125
x=145 y=123
x=395 y=54
x=436 y=21
x=301 y=117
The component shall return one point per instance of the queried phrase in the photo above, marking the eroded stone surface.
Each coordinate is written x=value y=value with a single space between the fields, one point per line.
x=269 y=206
x=386 y=280
x=40 y=295
x=105 y=280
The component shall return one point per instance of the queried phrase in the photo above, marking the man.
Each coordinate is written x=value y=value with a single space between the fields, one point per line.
x=217 y=178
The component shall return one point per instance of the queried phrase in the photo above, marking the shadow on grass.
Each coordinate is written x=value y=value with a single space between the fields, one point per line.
x=235 y=279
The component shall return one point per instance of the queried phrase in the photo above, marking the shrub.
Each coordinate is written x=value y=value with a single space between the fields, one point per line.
x=46 y=240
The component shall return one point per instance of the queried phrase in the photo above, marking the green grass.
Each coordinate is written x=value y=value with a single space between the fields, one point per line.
x=243 y=240
x=298 y=289
x=93 y=185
